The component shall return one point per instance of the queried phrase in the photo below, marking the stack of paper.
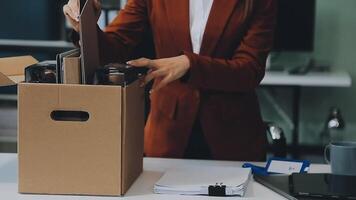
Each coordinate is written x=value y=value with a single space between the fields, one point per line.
x=196 y=180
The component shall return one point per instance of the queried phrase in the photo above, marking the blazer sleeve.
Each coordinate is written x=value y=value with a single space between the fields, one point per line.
x=245 y=70
x=120 y=38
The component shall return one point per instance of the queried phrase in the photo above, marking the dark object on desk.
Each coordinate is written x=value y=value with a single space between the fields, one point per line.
x=217 y=190
x=276 y=135
x=279 y=184
x=300 y=70
x=311 y=186
x=304 y=69
x=118 y=74
x=311 y=66
x=323 y=185
x=43 y=72
x=333 y=126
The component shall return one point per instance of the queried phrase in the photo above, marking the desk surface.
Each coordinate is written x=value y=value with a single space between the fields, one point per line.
x=142 y=188
x=36 y=43
x=311 y=79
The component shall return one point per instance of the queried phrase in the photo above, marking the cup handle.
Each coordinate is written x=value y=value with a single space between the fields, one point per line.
x=326 y=154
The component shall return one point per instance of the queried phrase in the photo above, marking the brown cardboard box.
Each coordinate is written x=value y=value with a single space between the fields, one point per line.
x=12 y=69
x=100 y=155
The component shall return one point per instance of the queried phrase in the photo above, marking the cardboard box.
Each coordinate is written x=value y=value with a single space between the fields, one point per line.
x=95 y=149
x=12 y=69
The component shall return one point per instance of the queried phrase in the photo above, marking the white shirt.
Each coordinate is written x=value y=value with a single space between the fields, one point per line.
x=199 y=11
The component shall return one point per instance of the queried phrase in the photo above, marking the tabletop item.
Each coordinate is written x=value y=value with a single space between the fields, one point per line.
x=280 y=166
x=333 y=127
x=118 y=74
x=325 y=186
x=310 y=186
x=43 y=72
x=79 y=139
x=342 y=157
x=277 y=183
x=142 y=189
x=279 y=142
x=212 y=181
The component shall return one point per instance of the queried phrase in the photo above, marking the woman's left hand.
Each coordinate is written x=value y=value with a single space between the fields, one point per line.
x=166 y=69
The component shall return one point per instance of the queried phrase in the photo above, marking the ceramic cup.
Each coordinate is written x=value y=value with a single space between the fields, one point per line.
x=342 y=157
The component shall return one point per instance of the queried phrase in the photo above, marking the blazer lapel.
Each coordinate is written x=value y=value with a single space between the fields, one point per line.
x=178 y=18
x=219 y=15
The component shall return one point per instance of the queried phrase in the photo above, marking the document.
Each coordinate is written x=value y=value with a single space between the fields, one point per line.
x=213 y=181
x=68 y=67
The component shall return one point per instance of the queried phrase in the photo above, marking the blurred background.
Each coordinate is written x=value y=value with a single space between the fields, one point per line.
x=307 y=93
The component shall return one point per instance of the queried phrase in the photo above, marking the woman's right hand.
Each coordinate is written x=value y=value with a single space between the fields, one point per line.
x=72 y=11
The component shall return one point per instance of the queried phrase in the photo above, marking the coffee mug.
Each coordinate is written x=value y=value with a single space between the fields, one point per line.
x=342 y=157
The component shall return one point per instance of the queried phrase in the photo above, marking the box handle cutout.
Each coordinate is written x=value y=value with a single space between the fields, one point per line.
x=65 y=115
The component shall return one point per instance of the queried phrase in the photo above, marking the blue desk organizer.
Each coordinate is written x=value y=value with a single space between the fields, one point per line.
x=264 y=170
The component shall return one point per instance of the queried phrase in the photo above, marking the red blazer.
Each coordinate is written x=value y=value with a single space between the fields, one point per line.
x=220 y=90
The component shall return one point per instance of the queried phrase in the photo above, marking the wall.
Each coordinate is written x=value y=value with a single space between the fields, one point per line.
x=32 y=20
x=335 y=45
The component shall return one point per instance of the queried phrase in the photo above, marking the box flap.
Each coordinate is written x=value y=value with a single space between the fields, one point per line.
x=12 y=69
x=4 y=80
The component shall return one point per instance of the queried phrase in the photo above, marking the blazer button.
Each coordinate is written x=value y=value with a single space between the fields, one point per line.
x=197 y=94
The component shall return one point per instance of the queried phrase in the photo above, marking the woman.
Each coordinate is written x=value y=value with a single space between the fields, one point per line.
x=211 y=57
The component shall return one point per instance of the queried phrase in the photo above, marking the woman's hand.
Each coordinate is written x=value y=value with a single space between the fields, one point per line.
x=166 y=69
x=72 y=11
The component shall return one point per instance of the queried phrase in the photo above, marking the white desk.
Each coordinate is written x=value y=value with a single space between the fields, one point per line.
x=311 y=79
x=142 y=188
x=35 y=45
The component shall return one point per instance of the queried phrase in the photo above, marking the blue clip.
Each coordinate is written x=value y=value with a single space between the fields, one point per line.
x=256 y=169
